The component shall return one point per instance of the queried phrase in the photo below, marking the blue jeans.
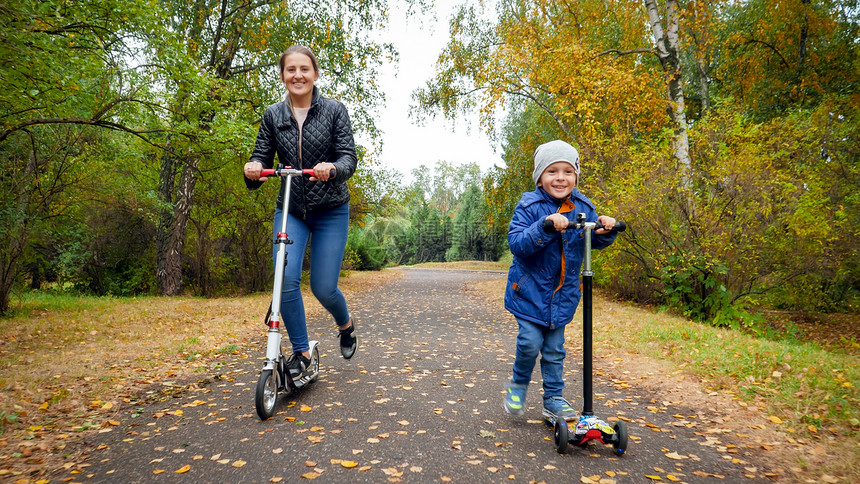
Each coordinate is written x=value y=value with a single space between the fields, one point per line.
x=531 y=340
x=329 y=229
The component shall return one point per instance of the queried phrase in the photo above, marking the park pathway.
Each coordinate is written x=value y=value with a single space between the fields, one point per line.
x=420 y=402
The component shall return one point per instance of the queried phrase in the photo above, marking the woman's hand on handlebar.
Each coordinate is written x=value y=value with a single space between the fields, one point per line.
x=323 y=171
x=607 y=223
x=252 y=171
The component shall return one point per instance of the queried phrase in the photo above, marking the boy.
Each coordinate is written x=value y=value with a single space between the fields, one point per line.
x=543 y=282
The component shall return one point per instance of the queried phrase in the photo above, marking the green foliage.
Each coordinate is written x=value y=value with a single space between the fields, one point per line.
x=773 y=222
x=69 y=58
x=441 y=216
x=768 y=212
x=525 y=129
x=776 y=55
x=188 y=85
x=109 y=110
x=364 y=250
x=472 y=237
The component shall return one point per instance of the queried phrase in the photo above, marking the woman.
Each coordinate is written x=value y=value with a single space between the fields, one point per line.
x=307 y=130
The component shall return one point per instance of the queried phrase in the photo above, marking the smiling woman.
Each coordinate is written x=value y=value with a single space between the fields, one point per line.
x=307 y=131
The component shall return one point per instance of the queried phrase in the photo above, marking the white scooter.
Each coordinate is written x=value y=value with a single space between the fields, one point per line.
x=275 y=376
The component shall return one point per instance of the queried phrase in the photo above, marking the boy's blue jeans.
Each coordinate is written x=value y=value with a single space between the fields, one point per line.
x=531 y=340
x=329 y=229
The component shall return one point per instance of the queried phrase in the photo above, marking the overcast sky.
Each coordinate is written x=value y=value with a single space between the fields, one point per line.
x=405 y=144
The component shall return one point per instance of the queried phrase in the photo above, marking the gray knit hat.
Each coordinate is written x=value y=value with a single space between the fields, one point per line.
x=548 y=153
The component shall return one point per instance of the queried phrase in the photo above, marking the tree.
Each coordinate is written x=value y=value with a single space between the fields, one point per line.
x=525 y=129
x=225 y=74
x=66 y=76
x=471 y=236
x=702 y=25
x=444 y=183
x=666 y=41
x=562 y=57
x=68 y=65
x=779 y=55
x=614 y=87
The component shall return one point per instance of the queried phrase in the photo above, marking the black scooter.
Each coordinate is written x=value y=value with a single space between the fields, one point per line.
x=587 y=427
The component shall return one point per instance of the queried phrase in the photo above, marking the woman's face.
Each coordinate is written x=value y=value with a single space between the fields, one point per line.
x=299 y=75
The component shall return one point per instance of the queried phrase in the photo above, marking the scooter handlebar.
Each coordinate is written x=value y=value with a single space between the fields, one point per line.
x=548 y=226
x=290 y=172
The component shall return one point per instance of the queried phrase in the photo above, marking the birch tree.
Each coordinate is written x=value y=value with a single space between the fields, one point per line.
x=664 y=27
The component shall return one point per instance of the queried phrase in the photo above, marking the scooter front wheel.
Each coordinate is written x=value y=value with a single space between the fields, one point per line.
x=561 y=434
x=267 y=394
x=315 y=363
x=620 y=443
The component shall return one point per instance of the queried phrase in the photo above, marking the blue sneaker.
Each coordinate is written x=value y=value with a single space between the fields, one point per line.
x=558 y=408
x=515 y=398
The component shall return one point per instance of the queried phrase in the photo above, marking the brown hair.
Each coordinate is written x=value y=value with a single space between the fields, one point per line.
x=298 y=49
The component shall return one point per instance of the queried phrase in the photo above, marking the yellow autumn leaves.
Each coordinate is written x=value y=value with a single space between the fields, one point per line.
x=317 y=472
x=182 y=470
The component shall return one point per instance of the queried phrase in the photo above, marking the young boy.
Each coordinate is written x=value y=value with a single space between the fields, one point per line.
x=543 y=282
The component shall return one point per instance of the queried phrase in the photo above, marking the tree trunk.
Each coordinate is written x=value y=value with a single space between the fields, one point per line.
x=804 y=38
x=702 y=42
x=15 y=240
x=666 y=41
x=704 y=87
x=173 y=220
x=202 y=271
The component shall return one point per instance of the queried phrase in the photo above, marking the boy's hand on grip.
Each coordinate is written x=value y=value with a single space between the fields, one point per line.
x=559 y=222
x=607 y=223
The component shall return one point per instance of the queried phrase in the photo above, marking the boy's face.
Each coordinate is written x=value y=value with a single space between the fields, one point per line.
x=559 y=179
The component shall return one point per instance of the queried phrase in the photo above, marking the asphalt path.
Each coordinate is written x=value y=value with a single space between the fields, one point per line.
x=421 y=401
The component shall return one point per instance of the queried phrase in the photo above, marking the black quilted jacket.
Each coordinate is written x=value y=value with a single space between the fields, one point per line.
x=326 y=136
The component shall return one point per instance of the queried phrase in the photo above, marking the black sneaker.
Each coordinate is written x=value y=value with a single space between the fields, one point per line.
x=348 y=341
x=297 y=364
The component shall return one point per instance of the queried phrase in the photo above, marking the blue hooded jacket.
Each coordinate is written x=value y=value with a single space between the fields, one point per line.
x=536 y=269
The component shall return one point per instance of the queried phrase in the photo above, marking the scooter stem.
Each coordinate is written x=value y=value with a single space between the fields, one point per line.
x=587 y=276
x=273 y=348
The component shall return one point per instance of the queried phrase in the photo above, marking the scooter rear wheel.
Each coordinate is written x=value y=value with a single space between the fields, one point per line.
x=620 y=443
x=267 y=394
x=561 y=435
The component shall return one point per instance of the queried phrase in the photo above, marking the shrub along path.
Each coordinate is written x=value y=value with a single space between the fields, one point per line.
x=421 y=402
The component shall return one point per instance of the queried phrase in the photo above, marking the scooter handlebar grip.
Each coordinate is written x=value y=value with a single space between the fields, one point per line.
x=548 y=226
x=618 y=227
x=310 y=172
x=307 y=171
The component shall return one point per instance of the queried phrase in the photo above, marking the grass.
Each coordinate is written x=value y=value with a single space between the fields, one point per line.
x=807 y=386
x=807 y=391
